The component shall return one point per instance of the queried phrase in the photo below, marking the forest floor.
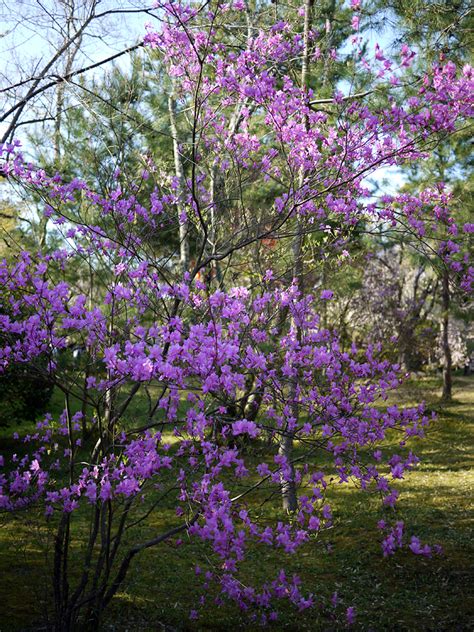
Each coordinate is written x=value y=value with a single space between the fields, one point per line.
x=403 y=592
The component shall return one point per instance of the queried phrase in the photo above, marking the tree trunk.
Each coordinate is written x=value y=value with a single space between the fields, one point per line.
x=287 y=483
x=448 y=363
x=178 y=167
x=217 y=212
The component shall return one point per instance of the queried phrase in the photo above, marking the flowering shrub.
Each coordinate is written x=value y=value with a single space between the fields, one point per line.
x=224 y=368
x=203 y=369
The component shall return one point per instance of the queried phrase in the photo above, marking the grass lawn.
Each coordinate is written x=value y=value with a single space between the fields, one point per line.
x=404 y=592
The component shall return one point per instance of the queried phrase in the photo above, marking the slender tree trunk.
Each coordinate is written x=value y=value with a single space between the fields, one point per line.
x=217 y=208
x=179 y=171
x=60 y=101
x=287 y=483
x=329 y=27
x=448 y=363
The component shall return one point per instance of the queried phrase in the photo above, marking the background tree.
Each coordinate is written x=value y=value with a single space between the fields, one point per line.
x=445 y=31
